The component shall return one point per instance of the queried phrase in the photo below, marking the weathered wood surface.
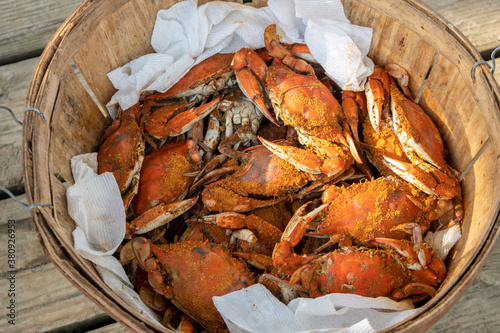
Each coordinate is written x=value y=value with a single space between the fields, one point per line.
x=26 y=26
x=478 y=20
x=45 y=299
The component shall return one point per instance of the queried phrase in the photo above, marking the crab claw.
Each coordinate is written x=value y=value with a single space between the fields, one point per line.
x=279 y=51
x=377 y=95
x=250 y=72
x=304 y=160
x=412 y=289
x=265 y=231
x=138 y=248
x=431 y=180
x=292 y=235
x=403 y=247
x=352 y=104
x=180 y=123
x=401 y=75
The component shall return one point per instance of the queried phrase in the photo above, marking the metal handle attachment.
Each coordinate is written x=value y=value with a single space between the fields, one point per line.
x=10 y=194
x=492 y=67
x=27 y=109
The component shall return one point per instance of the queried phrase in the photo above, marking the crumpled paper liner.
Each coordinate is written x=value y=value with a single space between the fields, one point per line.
x=96 y=205
x=186 y=34
x=255 y=309
x=443 y=240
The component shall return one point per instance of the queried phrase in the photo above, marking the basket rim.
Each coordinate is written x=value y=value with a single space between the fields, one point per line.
x=39 y=77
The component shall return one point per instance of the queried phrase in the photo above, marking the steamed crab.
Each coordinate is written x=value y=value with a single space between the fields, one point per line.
x=400 y=270
x=416 y=150
x=382 y=207
x=300 y=100
x=173 y=111
x=190 y=274
x=122 y=151
x=262 y=180
x=163 y=186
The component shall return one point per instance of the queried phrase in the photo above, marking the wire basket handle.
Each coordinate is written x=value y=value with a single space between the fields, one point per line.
x=30 y=108
x=9 y=193
x=30 y=207
x=492 y=67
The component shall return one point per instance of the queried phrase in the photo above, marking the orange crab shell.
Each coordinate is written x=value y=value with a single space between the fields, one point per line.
x=195 y=272
x=264 y=175
x=162 y=176
x=377 y=208
x=301 y=100
x=213 y=71
x=122 y=149
x=370 y=273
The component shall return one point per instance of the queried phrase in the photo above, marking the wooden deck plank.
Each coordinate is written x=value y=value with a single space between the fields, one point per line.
x=478 y=20
x=28 y=250
x=26 y=26
x=12 y=210
x=45 y=300
x=14 y=81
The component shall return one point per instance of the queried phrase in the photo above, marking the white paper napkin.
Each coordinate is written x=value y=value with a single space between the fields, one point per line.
x=96 y=205
x=443 y=240
x=255 y=309
x=186 y=34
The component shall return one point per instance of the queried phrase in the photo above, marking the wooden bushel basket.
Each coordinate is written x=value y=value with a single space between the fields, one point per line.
x=103 y=35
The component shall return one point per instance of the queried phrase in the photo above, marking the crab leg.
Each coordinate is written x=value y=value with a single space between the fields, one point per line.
x=184 y=121
x=260 y=261
x=269 y=234
x=301 y=51
x=159 y=215
x=293 y=233
x=232 y=201
x=403 y=247
x=353 y=103
x=412 y=289
x=203 y=79
x=229 y=145
x=155 y=123
x=250 y=71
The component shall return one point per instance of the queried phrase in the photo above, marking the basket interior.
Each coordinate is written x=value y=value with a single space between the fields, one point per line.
x=72 y=88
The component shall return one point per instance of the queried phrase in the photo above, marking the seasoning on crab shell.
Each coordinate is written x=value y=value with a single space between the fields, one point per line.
x=162 y=176
x=191 y=273
x=122 y=149
x=264 y=180
x=368 y=272
x=376 y=208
